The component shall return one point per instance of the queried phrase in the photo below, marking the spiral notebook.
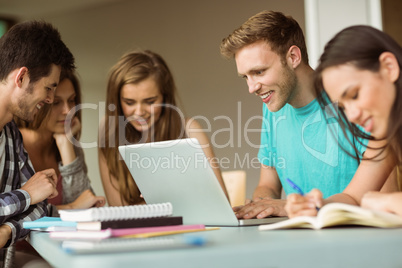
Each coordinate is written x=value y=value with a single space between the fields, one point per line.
x=117 y=213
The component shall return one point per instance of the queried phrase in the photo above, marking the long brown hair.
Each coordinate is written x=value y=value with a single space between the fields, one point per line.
x=361 y=47
x=133 y=68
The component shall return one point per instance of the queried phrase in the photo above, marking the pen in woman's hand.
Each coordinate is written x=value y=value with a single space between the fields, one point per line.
x=298 y=190
x=294 y=186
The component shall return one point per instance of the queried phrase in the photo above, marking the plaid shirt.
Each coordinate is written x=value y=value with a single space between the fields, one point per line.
x=15 y=205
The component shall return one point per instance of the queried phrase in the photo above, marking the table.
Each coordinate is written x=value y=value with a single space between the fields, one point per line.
x=249 y=247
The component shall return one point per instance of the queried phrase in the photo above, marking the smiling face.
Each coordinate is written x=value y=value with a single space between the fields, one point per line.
x=64 y=101
x=33 y=96
x=266 y=74
x=366 y=97
x=140 y=103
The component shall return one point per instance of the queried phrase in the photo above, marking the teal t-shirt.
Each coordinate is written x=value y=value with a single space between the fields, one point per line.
x=305 y=147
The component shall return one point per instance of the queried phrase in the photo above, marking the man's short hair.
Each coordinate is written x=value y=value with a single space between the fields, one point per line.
x=279 y=31
x=35 y=45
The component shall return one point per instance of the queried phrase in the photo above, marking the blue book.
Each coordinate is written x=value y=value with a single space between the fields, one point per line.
x=48 y=222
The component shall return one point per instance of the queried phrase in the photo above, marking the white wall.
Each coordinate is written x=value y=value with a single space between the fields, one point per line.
x=324 y=18
x=187 y=34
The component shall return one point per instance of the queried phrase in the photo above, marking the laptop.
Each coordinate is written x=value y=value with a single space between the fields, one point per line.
x=178 y=172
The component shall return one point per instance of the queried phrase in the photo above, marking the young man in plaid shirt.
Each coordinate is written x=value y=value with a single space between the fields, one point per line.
x=32 y=56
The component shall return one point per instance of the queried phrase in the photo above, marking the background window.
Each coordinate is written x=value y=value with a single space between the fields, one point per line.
x=5 y=24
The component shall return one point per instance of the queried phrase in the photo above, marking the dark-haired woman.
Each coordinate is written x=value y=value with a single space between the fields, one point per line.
x=360 y=70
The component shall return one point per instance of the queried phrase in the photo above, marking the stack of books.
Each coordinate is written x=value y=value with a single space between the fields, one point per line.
x=112 y=228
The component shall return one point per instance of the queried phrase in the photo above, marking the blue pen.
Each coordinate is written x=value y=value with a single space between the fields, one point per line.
x=294 y=186
x=297 y=188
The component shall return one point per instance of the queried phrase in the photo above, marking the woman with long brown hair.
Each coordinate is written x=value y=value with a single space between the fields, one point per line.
x=360 y=69
x=141 y=107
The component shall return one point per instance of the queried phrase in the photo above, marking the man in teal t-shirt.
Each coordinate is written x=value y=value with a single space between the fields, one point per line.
x=308 y=146
x=297 y=142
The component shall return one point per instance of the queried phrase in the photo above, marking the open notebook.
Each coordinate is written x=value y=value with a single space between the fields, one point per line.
x=178 y=172
x=339 y=214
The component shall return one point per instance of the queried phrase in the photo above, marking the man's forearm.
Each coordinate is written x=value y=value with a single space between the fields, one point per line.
x=264 y=192
x=13 y=203
x=34 y=212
